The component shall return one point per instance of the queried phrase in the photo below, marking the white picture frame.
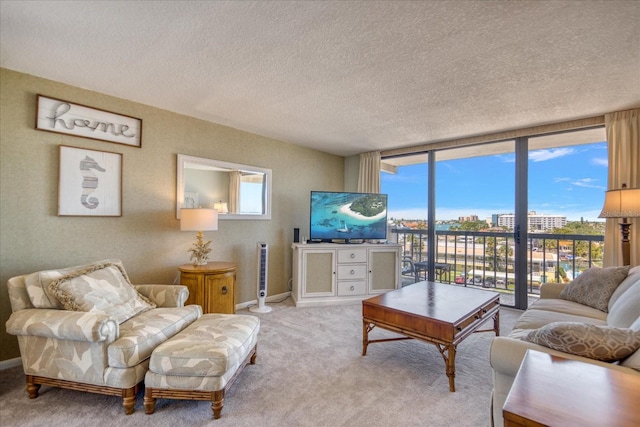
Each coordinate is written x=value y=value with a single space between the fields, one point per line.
x=90 y=182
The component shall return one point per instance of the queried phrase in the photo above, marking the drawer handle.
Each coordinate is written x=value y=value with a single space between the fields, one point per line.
x=352 y=288
x=353 y=272
x=353 y=255
x=224 y=290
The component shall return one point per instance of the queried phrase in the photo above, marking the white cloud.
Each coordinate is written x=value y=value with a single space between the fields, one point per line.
x=554 y=153
x=600 y=161
x=581 y=182
x=587 y=183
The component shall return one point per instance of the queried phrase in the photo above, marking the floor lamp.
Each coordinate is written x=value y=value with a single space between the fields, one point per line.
x=623 y=203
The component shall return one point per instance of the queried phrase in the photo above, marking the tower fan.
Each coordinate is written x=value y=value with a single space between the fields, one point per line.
x=262 y=280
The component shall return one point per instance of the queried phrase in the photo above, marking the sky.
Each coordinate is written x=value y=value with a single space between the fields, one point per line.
x=568 y=181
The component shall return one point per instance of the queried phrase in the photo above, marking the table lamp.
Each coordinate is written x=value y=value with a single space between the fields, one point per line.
x=221 y=207
x=623 y=203
x=199 y=219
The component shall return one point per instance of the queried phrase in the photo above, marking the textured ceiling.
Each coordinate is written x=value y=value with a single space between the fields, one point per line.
x=342 y=77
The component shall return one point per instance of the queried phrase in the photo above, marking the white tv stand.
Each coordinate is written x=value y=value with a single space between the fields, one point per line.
x=330 y=273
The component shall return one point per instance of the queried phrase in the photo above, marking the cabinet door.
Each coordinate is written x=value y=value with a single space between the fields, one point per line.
x=220 y=290
x=319 y=273
x=195 y=284
x=383 y=270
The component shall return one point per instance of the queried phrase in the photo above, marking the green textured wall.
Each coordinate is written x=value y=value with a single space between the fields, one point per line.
x=147 y=237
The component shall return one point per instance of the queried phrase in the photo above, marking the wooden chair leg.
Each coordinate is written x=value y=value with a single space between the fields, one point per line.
x=129 y=399
x=218 y=403
x=32 y=388
x=254 y=355
x=149 y=403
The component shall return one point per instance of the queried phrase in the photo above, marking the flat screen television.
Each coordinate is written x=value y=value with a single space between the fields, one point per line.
x=337 y=216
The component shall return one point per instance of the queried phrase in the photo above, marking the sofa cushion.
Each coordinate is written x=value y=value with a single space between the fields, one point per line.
x=595 y=286
x=140 y=335
x=37 y=284
x=582 y=339
x=211 y=347
x=100 y=288
x=632 y=279
x=568 y=307
x=626 y=310
x=534 y=319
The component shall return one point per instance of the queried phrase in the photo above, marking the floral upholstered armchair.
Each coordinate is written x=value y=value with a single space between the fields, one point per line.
x=88 y=328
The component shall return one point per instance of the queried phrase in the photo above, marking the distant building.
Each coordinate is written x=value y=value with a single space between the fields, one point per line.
x=469 y=218
x=535 y=221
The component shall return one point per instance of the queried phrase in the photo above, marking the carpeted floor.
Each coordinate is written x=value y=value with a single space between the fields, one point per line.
x=309 y=372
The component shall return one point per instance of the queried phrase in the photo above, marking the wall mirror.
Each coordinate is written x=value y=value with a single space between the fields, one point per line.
x=236 y=191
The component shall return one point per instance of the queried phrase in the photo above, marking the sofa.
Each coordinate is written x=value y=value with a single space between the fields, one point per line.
x=594 y=319
x=88 y=328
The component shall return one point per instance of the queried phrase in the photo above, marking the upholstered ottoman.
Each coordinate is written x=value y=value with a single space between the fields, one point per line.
x=202 y=361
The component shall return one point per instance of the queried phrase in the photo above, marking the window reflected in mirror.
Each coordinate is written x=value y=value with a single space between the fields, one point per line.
x=236 y=191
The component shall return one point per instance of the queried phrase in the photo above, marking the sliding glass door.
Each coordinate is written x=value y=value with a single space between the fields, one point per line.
x=500 y=216
x=475 y=190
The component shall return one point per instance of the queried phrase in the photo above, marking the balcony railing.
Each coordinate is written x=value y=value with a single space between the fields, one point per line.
x=486 y=259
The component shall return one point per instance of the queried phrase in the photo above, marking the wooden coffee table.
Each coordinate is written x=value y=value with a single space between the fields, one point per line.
x=439 y=314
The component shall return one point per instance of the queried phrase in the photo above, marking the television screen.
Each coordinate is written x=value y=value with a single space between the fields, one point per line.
x=337 y=216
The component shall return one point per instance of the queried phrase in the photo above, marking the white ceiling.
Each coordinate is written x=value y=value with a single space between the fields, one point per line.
x=342 y=77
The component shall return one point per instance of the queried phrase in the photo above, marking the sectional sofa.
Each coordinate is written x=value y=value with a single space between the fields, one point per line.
x=594 y=319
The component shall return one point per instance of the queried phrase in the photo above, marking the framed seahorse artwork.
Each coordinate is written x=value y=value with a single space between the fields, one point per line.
x=89 y=182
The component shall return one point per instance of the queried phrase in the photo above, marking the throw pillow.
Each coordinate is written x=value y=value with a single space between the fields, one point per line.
x=37 y=284
x=101 y=288
x=595 y=286
x=602 y=343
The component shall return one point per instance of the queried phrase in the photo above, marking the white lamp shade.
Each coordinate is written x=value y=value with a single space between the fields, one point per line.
x=623 y=203
x=198 y=219
x=221 y=207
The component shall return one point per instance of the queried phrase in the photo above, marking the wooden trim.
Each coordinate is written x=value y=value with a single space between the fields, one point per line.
x=128 y=394
x=499 y=136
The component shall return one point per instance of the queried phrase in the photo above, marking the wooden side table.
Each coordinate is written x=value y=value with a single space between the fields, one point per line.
x=554 y=391
x=211 y=286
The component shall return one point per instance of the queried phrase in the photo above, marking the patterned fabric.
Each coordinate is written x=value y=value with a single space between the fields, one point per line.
x=80 y=361
x=101 y=288
x=74 y=346
x=18 y=296
x=63 y=324
x=140 y=335
x=206 y=354
x=582 y=339
x=595 y=286
x=37 y=283
x=165 y=295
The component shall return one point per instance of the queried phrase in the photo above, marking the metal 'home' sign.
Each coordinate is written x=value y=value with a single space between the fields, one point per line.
x=56 y=115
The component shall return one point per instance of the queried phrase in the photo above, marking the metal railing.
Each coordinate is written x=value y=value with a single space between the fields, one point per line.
x=486 y=259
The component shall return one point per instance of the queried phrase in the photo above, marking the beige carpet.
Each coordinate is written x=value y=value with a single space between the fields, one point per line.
x=309 y=372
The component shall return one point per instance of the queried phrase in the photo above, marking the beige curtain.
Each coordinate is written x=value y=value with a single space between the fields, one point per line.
x=234 y=191
x=623 y=140
x=369 y=175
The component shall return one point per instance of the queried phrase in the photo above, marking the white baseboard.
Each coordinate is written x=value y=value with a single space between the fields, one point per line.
x=10 y=363
x=271 y=298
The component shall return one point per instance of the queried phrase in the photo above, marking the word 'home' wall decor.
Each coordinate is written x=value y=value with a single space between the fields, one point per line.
x=56 y=115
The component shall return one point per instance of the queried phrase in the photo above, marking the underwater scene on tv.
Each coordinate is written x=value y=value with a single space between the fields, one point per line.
x=348 y=216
